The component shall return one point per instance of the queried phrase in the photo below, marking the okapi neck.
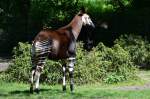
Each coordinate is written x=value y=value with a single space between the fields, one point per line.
x=76 y=26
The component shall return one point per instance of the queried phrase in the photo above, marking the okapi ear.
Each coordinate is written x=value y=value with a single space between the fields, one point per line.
x=82 y=11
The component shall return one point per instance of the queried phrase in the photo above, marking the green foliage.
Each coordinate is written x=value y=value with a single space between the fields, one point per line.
x=105 y=5
x=137 y=47
x=116 y=64
x=20 y=68
x=109 y=65
x=102 y=63
x=52 y=72
x=31 y=15
x=53 y=13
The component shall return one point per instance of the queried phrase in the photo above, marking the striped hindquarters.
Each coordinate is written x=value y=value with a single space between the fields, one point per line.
x=39 y=52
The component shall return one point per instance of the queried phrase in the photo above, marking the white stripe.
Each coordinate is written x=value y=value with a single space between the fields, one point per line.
x=71 y=58
x=64 y=69
x=64 y=82
x=37 y=75
x=70 y=69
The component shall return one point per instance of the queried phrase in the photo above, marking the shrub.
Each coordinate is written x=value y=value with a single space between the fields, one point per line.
x=116 y=64
x=20 y=68
x=138 y=48
x=110 y=65
x=87 y=69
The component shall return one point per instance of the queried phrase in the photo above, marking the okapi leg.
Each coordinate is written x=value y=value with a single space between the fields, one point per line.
x=64 y=77
x=33 y=63
x=71 y=69
x=39 y=51
x=32 y=81
x=40 y=65
x=37 y=78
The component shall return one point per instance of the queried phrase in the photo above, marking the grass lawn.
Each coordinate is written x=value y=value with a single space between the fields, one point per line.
x=91 y=91
x=95 y=91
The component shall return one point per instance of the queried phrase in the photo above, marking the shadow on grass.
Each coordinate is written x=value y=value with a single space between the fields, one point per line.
x=49 y=92
x=3 y=95
x=88 y=95
x=27 y=92
x=45 y=92
x=53 y=93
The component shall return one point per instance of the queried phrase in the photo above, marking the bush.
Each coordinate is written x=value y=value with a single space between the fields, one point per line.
x=109 y=65
x=20 y=68
x=116 y=64
x=138 y=48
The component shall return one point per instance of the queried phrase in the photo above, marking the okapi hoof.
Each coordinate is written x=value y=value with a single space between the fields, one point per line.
x=37 y=90
x=64 y=88
x=31 y=90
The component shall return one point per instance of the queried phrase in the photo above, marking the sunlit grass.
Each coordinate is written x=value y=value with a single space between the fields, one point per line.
x=89 y=91
x=12 y=90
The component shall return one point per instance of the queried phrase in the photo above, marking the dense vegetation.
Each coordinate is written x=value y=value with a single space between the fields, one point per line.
x=23 y=19
x=138 y=47
x=101 y=64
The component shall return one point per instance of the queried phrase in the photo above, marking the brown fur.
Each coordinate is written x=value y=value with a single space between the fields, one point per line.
x=63 y=35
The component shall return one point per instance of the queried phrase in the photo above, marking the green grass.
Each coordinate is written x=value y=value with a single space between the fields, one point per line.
x=91 y=91
x=95 y=91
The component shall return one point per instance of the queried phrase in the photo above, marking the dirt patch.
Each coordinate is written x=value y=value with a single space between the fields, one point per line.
x=146 y=86
x=4 y=63
x=143 y=75
x=4 y=66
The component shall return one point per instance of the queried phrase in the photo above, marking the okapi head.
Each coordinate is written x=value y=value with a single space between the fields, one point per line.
x=87 y=30
x=85 y=18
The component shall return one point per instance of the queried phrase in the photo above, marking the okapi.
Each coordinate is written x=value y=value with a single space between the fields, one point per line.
x=57 y=44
